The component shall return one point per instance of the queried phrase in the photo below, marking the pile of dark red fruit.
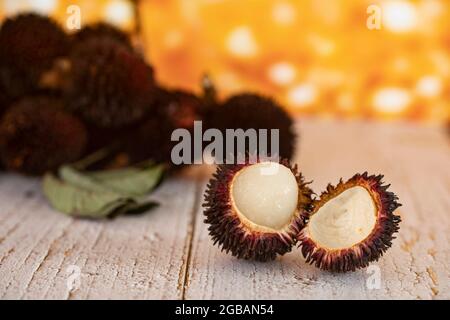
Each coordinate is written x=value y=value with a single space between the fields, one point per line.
x=64 y=96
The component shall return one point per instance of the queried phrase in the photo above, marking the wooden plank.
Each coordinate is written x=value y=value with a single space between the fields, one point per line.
x=128 y=257
x=414 y=160
x=168 y=254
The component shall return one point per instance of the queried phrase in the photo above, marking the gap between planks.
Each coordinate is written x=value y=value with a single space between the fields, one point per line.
x=183 y=279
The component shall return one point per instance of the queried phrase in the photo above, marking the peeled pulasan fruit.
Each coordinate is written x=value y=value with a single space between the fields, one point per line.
x=256 y=210
x=351 y=224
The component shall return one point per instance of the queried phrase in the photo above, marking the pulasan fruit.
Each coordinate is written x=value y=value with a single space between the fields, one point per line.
x=351 y=224
x=256 y=215
x=256 y=210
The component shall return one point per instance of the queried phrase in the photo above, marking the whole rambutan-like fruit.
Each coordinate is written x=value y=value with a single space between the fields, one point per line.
x=13 y=84
x=100 y=30
x=256 y=210
x=4 y=101
x=37 y=135
x=351 y=225
x=172 y=109
x=110 y=85
x=151 y=141
x=181 y=107
x=252 y=111
x=29 y=45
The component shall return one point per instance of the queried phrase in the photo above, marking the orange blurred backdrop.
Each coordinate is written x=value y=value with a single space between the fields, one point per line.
x=315 y=56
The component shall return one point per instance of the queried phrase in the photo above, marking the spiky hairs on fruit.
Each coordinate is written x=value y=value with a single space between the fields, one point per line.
x=110 y=85
x=256 y=214
x=13 y=84
x=29 y=45
x=151 y=139
x=252 y=111
x=148 y=139
x=37 y=135
x=181 y=107
x=4 y=100
x=349 y=233
x=101 y=30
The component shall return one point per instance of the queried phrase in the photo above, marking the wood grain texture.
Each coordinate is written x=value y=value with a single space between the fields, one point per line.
x=140 y=257
x=167 y=253
x=414 y=160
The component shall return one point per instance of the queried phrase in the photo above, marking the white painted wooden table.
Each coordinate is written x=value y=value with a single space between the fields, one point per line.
x=167 y=253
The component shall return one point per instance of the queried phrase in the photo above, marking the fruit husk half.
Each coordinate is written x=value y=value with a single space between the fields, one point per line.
x=242 y=239
x=369 y=249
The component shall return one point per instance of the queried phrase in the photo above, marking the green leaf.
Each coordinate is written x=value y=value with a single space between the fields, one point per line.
x=135 y=208
x=75 y=201
x=113 y=174
x=119 y=173
x=130 y=181
x=78 y=179
x=103 y=193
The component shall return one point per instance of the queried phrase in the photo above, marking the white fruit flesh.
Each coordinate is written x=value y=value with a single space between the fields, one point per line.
x=345 y=220
x=266 y=194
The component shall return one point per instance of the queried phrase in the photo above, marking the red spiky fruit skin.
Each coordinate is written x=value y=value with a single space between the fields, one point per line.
x=234 y=236
x=151 y=139
x=37 y=135
x=98 y=31
x=29 y=46
x=254 y=111
x=110 y=86
x=368 y=250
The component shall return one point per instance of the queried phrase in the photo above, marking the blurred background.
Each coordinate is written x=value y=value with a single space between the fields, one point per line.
x=317 y=57
x=368 y=79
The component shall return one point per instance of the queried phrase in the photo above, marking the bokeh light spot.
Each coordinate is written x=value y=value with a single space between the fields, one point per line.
x=241 y=42
x=399 y=16
x=282 y=73
x=302 y=95
x=284 y=13
x=429 y=86
x=173 y=39
x=119 y=12
x=391 y=100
